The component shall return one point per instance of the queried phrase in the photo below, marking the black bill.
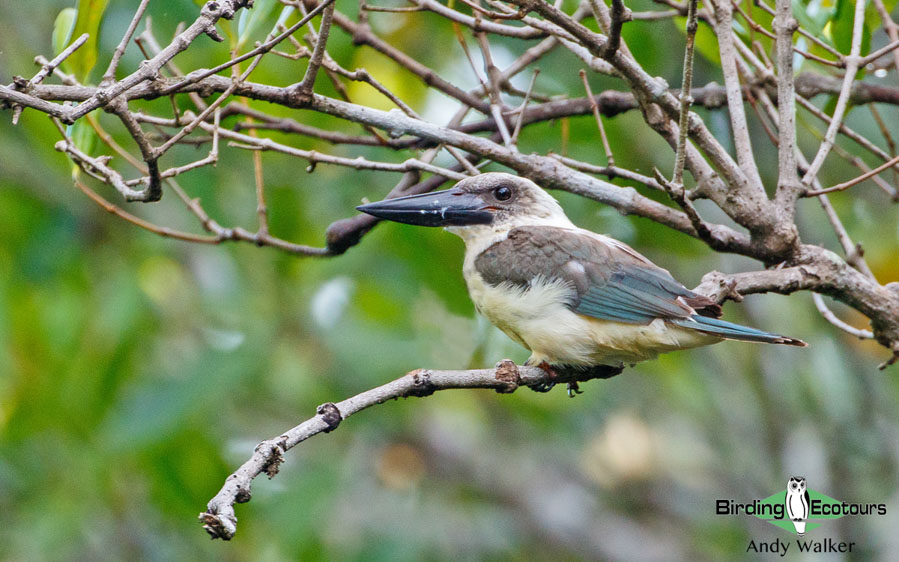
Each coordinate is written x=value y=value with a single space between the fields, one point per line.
x=452 y=207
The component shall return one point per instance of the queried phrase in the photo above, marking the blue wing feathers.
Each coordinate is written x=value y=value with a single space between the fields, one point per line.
x=732 y=331
x=609 y=308
x=636 y=295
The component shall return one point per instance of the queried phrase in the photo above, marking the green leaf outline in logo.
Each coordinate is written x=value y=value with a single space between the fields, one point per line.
x=815 y=498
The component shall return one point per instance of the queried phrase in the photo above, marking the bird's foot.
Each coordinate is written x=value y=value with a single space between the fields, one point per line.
x=580 y=373
x=574 y=389
x=551 y=373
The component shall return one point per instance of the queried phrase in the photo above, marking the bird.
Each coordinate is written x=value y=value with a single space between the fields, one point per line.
x=576 y=299
x=797 y=503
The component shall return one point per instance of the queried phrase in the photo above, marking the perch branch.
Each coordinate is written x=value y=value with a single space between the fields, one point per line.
x=219 y=519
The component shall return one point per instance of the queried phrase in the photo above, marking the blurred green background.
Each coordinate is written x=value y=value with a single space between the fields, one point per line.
x=137 y=372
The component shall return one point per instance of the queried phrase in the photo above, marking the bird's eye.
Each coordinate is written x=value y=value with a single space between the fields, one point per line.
x=502 y=193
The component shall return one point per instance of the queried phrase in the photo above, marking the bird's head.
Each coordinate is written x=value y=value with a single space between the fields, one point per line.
x=796 y=484
x=486 y=202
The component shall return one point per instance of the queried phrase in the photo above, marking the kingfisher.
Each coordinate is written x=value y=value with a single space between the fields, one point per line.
x=576 y=299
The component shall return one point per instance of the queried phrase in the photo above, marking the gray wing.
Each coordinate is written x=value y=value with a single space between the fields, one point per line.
x=610 y=280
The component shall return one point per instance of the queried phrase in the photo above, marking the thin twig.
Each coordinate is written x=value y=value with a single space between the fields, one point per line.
x=685 y=100
x=889 y=26
x=844 y=130
x=679 y=195
x=46 y=70
x=754 y=26
x=852 y=65
x=97 y=167
x=810 y=36
x=610 y=171
x=259 y=50
x=832 y=318
x=163 y=231
x=480 y=24
x=855 y=181
x=521 y=109
x=891 y=144
x=149 y=69
x=858 y=163
x=109 y=75
x=318 y=52
x=889 y=48
x=610 y=159
x=359 y=163
x=148 y=45
x=364 y=35
x=390 y=9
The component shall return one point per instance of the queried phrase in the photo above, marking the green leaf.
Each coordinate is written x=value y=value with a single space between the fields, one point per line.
x=815 y=22
x=841 y=25
x=90 y=14
x=62 y=29
x=251 y=20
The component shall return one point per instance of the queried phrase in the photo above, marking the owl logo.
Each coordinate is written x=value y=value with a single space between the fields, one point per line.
x=797 y=503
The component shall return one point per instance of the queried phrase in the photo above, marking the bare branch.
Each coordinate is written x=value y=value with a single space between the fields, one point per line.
x=259 y=50
x=319 y=51
x=149 y=69
x=610 y=159
x=679 y=195
x=46 y=70
x=810 y=36
x=686 y=100
x=362 y=35
x=524 y=104
x=18 y=98
x=852 y=65
x=97 y=168
x=139 y=222
x=619 y=14
x=219 y=519
x=855 y=181
x=889 y=26
x=403 y=141
x=832 y=318
x=739 y=127
x=109 y=75
x=611 y=172
x=788 y=185
x=479 y=24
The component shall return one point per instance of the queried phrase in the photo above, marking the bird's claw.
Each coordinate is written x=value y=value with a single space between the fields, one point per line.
x=574 y=389
x=543 y=386
x=551 y=373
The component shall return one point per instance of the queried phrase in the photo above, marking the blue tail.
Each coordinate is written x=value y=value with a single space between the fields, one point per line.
x=731 y=331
